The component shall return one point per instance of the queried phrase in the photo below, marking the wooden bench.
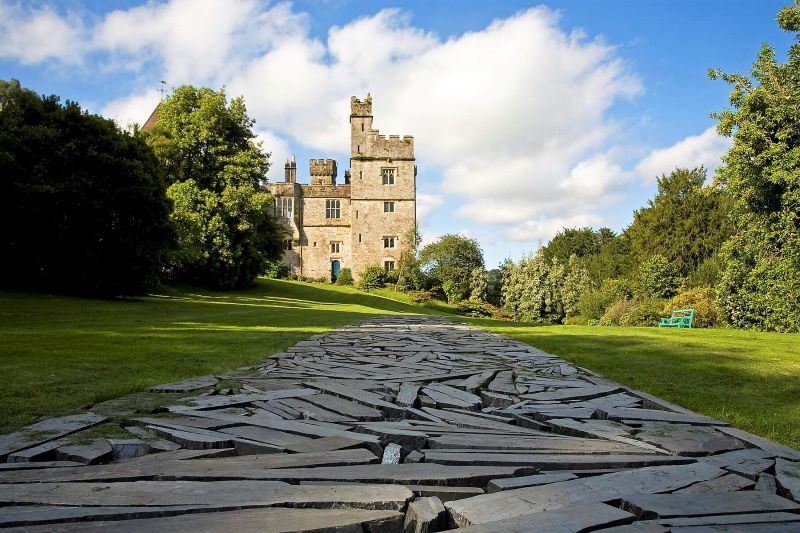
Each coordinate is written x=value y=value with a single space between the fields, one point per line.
x=680 y=318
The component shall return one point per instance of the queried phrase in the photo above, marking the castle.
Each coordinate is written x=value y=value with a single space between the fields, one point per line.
x=369 y=219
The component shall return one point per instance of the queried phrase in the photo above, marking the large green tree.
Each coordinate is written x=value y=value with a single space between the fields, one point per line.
x=215 y=169
x=83 y=204
x=450 y=261
x=760 y=284
x=686 y=222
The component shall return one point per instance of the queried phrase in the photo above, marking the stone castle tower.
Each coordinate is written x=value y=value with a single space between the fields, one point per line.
x=369 y=219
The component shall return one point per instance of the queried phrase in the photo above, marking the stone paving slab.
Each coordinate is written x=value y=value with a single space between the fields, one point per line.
x=394 y=423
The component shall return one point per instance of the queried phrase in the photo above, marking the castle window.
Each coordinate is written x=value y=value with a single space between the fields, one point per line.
x=287 y=244
x=388 y=265
x=388 y=176
x=388 y=207
x=335 y=247
x=359 y=237
x=284 y=207
x=389 y=242
x=333 y=209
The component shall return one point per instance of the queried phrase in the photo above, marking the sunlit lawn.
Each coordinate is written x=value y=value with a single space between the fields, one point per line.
x=60 y=353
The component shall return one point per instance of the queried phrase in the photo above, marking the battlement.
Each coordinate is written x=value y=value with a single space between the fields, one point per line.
x=323 y=171
x=361 y=108
x=394 y=147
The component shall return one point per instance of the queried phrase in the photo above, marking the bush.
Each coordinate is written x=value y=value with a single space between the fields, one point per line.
x=635 y=312
x=702 y=301
x=390 y=277
x=479 y=309
x=276 y=270
x=657 y=278
x=646 y=312
x=373 y=277
x=593 y=304
x=345 y=277
x=421 y=296
x=577 y=320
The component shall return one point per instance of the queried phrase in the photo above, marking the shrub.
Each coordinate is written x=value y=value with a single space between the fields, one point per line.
x=635 y=312
x=277 y=270
x=454 y=291
x=702 y=301
x=593 y=304
x=646 y=312
x=577 y=320
x=373 y=277
x=420 y=296
x=478 y=309
x=657 y=278
x=345 y=277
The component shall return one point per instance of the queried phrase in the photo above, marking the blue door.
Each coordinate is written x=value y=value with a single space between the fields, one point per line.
x=335 y=266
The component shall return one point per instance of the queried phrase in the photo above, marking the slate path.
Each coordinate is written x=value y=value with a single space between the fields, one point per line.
x=402 y=424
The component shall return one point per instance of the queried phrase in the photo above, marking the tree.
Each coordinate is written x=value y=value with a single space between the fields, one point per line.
x=760 y=282
x=686 y=222
x=532 y=289
x=494 y=286
x=215 y=169
x=451 y=260
x=657 y=278
x=576 y=284
x=83 y=203
x=580 y=242
x=478 y=284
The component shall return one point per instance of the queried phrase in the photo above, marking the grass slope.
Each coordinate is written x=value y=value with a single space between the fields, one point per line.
x=60 y=353
x=747 y=378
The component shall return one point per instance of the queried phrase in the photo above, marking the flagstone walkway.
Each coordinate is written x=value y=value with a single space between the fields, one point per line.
x=401 y=424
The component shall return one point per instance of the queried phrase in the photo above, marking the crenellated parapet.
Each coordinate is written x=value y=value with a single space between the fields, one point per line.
x=322 y=171
x=361 y=108
x=392 y=146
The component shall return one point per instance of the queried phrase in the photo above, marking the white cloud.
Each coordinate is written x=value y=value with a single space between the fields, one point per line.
x=544 y=229
x=133 y=109
x=512 y=116
x=279 y=152
x=704 y=149
x=427 y=203
x=33 y=35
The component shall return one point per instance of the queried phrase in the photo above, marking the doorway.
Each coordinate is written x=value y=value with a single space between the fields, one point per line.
x=335 y=266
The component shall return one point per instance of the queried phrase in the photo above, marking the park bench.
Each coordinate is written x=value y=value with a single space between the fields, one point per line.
x=680 y=318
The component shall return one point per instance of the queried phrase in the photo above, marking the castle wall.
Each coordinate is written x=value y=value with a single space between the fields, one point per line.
x=363 y=221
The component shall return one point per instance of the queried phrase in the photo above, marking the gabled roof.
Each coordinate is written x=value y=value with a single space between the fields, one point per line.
x=151 y=122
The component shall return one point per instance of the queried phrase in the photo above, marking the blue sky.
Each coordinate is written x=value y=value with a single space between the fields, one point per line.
x=527 y=117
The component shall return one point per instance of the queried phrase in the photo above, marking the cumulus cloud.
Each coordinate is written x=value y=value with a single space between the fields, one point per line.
x=427 y=203
x=279 y=152
x=34 y=35
x=544 y=229
x=133 y=109
x=512 y=116
x=704 y=149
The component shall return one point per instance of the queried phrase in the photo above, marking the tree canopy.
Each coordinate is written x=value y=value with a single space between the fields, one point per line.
x=686 y=222
x=83 y=203
x=760 y=285
x=215 y=168
x=451 y=260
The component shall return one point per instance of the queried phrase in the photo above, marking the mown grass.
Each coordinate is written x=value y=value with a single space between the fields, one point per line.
x=60 y=353
x=747 y=378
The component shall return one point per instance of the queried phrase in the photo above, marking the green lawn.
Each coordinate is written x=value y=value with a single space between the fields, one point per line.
x=750 y=379
x=60 y=353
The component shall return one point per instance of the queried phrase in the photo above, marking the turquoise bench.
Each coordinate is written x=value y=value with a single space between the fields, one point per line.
x=680 y=318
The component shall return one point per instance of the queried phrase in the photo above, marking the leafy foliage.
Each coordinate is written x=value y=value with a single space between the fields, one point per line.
x=532 y=289
x=478 y=284
x=373 y=277
x=657 y=278
x=594 y=303
x=641 y=311
x=83 y=203
x=494 y=286
x=479 y=309
x=701 y=300
x=345 y=277
x=760 y=285
x=214 y=167
x=576 y=283
x=450 y=261
x=686 y=222
x=409 y=273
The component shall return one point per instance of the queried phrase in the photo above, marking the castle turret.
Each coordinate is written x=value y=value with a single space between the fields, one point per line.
x=290 y=171
x=323 y=171
x=360 y=124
